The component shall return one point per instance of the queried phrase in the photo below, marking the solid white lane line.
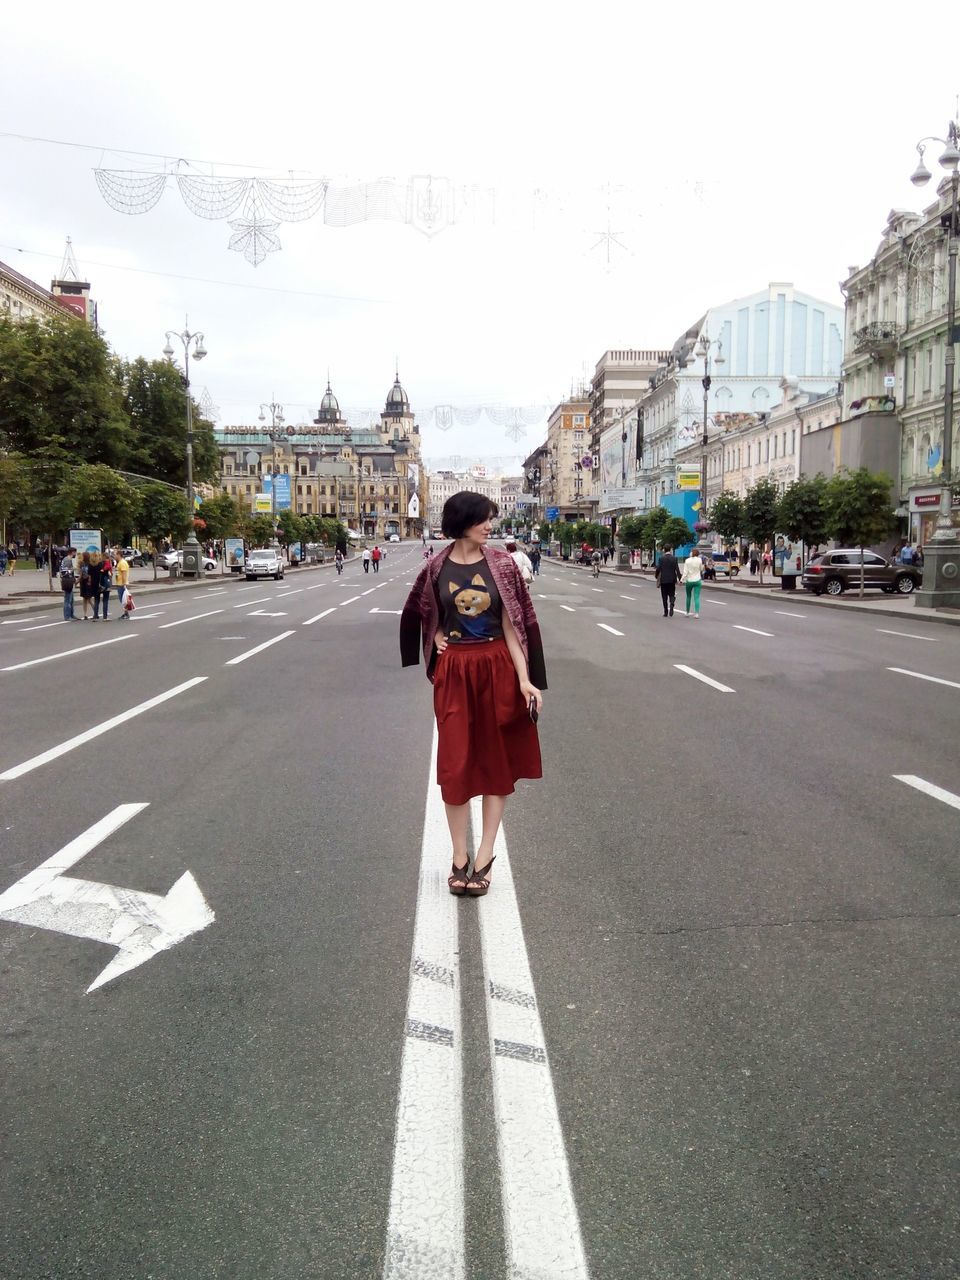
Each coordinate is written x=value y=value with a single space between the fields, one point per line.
x=12 y=622
x=310 y=621
x=258 y=649
x=425 y=1225
x=541 y=1224
x=929 y=789
x=67 y=653
x=193 y=618
x=613 y=631
x=350 y=601
x=698 y=675
x=628 y=597
x=44 y=625
x=783 y=614
x=569 y=608
x=919 y=676
x=907 y=635
x=55 y=752
x=247 y=603
x=753 y=630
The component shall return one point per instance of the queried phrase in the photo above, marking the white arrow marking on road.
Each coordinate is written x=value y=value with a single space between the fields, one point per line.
x=67 y=653
x=310 y=621
x=929 y=789
x=262 y=613
x=139 y=924
x=386 y=611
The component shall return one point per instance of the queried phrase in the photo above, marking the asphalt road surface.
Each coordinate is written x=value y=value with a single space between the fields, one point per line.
x=704 y=1025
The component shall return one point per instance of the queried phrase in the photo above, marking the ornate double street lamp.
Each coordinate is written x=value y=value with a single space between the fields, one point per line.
x=703 y=350
x=277 y=436
x=941 y=555
x=192 y=554
x=533 y=488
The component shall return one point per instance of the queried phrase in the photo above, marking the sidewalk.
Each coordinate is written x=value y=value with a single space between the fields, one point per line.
x=27 y=589
x=902 y=607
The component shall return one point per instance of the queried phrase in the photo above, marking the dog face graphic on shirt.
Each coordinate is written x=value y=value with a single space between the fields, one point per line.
x=471 y=601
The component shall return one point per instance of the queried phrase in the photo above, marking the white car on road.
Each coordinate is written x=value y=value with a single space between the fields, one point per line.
x=263 y=562
x=168 y=559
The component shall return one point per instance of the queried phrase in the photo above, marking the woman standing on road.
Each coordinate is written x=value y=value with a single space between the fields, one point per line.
x=691 y=578
x=86 y=584
x=481 y=641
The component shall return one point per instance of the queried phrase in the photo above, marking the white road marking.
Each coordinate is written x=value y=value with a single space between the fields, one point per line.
x=67 y=653
x=397 y=611
x=541 y=1224
x=599 y=590
x=193 y=618
x=146 y=617
x=613 y=631
x=55 y=752
x=247 y=603
x=753 y=630
x=628 y=597
x=698 y=675
x=263 y=613
x=12 y=622
x=907 y=635
x=569 y=608
x=783 y=614
x=918 y=676
x=425 y=1226
x=362 y=593
x=258 y=649
x=929 y=789
x=310 y=621
x=723 y=603
x=295 y=592
x=253 y=588
x=350 y=601
x=139 y=924
x=314 y=587
x=44 y=625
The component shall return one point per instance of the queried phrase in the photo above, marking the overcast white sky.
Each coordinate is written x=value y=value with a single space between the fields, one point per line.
x=733 y=144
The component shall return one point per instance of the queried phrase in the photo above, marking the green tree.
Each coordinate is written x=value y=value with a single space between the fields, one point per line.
x=103 y=500
x=289 y=528
x=220 y=515
x=58 y=393
x=259 y=530
x=802 y=510
x=653 y=529
x=545 y=530
x=43 y=497
x=155 y=401
x=675 y=532
x=631 y=529
x=859 y=509
x=727 y=517
x=760 y=515
x=163 y=514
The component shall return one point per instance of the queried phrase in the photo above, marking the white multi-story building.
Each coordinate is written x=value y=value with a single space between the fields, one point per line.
x=754 y=343
x=621 y=378
x=442 y=485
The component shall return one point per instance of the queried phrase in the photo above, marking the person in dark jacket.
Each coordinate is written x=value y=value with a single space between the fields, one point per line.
x=668 y=575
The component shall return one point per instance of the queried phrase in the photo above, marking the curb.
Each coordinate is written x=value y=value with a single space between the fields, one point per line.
x=766 y=593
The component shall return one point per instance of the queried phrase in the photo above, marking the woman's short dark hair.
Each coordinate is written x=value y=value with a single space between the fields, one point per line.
x=464 y=510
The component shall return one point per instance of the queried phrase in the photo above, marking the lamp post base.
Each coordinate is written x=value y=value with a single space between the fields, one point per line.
x=941 y=577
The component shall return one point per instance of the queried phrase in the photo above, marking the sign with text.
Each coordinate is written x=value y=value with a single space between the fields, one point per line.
x=86 y=540
x=283 y=489
x=688 y=479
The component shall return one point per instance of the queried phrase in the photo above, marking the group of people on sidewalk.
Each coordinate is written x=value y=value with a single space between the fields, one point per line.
x=95 y=575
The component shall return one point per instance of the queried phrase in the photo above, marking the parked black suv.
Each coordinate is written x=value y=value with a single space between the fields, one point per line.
x=837 y=571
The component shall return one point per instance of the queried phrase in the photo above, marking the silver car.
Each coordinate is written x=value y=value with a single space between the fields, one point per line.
x=263 y=563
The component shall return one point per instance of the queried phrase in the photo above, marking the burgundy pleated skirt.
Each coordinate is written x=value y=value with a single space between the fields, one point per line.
x=487 y=740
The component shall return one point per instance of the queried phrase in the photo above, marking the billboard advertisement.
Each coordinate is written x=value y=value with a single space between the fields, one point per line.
x=413 y=495
x=262 y=503
x=233 y=551
x=688 y=478
x=283 y=490
x=86 y=540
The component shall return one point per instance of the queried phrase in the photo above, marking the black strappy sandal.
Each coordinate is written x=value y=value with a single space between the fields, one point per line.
x=479 y=881
x=461 y=874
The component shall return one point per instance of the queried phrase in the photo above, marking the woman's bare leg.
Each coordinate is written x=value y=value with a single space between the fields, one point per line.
x=458 y=816
x=493 y=807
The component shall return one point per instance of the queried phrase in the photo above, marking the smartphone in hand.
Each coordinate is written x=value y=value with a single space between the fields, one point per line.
x=532 y=708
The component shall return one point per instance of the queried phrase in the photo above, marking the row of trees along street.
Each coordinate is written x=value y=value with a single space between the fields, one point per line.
x=87 y=438
x=852 y=508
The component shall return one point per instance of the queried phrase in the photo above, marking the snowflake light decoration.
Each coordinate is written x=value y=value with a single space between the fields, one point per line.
x=253 y=238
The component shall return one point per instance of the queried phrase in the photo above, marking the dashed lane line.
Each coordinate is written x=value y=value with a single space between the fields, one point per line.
x=698 y=675
x=242 y=657
x=783 y=614
x=13 y=622
x=918 y=675
x=247 y=603
x=628 y=597
x=310 y=621
x=569 y=608
x=44 y=625
x=193 y=618
x=753 y=630
x=907 y=635
x=929 y=788
x=350 y=601
x=55 y=752
x=613 y=631
x=67 y=653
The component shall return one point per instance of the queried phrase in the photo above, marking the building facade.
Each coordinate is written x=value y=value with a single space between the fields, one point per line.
x=444 y=484
x=566 y=488
x=372 y=480
x=24 y=299
x=621 y=378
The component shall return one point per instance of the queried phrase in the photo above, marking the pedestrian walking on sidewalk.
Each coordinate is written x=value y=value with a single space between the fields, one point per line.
x=691 y=579
x=12 y=551
x=366 y=559
x=68 y=581
x=472 y=612
x=667 y=574
x=754 y=561
x=4 y=556
x=521 y=560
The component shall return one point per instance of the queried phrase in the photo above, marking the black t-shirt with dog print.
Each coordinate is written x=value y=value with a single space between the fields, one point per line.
x=470 y=606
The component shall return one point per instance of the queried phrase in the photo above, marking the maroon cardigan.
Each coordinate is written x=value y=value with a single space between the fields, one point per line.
x=420 y=619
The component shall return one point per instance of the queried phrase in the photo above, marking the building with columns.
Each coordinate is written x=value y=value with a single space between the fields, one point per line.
x=373 y=480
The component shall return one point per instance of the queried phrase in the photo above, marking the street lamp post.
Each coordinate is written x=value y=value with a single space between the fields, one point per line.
x=703 y=353
x=941 y=555
x=192 y=562
x=276 y=437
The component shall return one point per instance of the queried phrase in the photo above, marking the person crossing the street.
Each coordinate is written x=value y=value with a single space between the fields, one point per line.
x=121 y=578
x=375 y=557
x=67 y=583
x=366 y=559
x=471 y=611
x=691 y=579
x=667 y=574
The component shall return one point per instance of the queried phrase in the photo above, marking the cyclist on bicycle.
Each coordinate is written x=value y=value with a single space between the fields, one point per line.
x=595 y=560
x=338 y=560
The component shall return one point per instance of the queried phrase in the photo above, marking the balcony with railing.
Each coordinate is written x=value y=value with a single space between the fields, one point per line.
x=879 y=338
